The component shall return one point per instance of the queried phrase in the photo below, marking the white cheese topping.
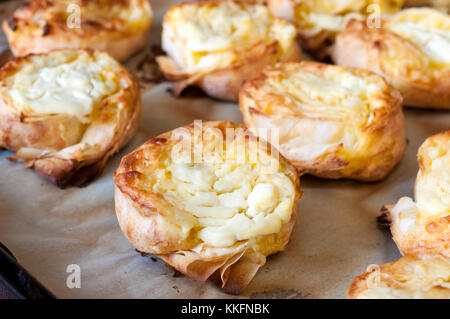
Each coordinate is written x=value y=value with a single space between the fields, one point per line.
x=433 y=186
x=428 y=29
x=202 y=36
x=404 y=214
x=231 y=202
x=72 y=87
x=331 y=22
x=337 y=93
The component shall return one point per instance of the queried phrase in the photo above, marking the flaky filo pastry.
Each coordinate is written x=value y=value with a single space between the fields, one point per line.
x=410 y=277
x=215 y=214
x=411 y=50
x=421 y=231
x=66 y=112
x=119 y=28
x=423 y=227
x=216 y=45
x=332 y=122
x=318 y=21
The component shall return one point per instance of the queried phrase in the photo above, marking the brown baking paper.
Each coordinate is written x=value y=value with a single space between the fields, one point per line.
x=336 y=238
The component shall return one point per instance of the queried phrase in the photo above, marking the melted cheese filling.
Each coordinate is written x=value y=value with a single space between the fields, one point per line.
x=117 y=16
x=428 y=29
x=333 y=107
x=231 y=202
x=334 y=15
x=433 y=188
x=404 y=215
x=337 y=94
x=200 y=37
x=73 y=86
x=329 y=22
x=411 y=279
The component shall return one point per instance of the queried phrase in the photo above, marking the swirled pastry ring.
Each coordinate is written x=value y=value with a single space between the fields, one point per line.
x=66 y=112
x=216 y=217
x=332 y=122
x=119 y=28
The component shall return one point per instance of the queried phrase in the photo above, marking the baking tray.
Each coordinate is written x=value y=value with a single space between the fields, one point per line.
x=19 y=281
x=336 y=238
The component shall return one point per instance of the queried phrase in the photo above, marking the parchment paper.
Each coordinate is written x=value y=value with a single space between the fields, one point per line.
x=336 y=238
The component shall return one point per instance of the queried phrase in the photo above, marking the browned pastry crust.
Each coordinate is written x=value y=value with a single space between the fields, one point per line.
x=299 y=119
x=316 y=34
x=423 y=228
x=442 y=5
x=224 y=82
x=40 y=26
x=398 y=59
x=61 y=147
x=409 y=277
x=154 y=223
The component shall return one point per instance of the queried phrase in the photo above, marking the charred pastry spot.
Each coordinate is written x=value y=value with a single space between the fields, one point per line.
x=12 y=23
x=143 y=254
x=177 y=274
x=91 y=23
x=384 y=219
x=377 y=44
x=46 y=30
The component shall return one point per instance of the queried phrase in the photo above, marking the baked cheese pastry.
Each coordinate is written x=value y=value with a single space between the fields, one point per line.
x=441 y=5
x=423 y=227
x=318 y=21
x=216 y=45
x=408 y=278
x=66 y=112
x=332 y=122
x=216 y=214
x=411 y=50
x=120 y=28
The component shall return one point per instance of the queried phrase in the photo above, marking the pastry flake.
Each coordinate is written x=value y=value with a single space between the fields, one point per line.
x=216 y=45
x=410 y=50
x=215 y=217
x=408 y=278
x=333 y=122
x=66 y=112
x=318 y=22
x=423 y=227
x=119 y=28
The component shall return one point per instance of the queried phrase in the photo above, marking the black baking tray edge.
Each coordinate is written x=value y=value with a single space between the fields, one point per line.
x=19 y=281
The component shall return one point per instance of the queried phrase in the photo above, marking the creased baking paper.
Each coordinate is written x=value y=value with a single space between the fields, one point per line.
x=49 y=229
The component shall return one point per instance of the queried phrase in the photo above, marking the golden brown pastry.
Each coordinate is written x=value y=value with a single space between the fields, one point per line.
x=408 y=278
x=423 y=227
x=216 y=45
x=318 y=21
x=119 y=27
x=66 y=112
x=441 y=5
x=411 y=50
x=332 y=122
x=217 y=213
